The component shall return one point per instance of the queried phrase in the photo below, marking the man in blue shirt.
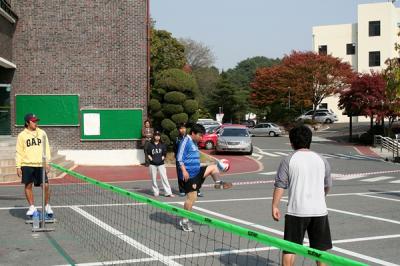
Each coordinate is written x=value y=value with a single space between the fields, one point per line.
x=193 y=174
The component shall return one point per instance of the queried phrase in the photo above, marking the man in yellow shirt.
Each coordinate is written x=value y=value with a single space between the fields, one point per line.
x=29 y=161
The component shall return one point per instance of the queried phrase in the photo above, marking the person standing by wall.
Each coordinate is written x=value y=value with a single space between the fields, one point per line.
x=28 y=159
x=147 y=134
x=156 y=152
x=307 y=176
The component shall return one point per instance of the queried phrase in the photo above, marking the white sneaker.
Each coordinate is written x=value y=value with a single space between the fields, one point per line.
x=48 y=209
x=31 y=210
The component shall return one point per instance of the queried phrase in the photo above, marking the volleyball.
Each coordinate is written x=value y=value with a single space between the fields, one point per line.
x=223 y=165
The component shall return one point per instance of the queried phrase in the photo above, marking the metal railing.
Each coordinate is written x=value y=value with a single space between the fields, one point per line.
x=389 y=144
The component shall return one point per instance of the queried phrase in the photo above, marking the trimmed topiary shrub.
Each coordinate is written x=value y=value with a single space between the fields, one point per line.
x=154 y=105
x=180 y=118
x=175 y=80
x=171 y=109
x=165 y=139
x=159 y=115
x=191 y=106
x=175 y=97
x=173 y=134
x=193 y=118
x=168 y=124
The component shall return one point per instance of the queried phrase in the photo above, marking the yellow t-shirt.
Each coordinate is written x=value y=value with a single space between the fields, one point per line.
x=30 y=148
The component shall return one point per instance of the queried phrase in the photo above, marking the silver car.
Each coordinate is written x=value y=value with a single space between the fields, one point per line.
x=234 y=139
x=320 y=116
x=266 y=129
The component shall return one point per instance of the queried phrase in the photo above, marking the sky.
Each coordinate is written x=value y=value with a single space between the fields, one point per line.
x=239 y=29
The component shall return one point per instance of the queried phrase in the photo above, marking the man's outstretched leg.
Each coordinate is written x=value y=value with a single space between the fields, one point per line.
x=213 y=171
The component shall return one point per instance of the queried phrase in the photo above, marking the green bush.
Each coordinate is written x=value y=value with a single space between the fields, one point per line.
x=175 y=97
x=191 y=106
x=154 y=105
x=168 y=124
x=165 y=139
x=367 y=138
x=170 y=109
x=193 y=118
x=180 y=118
x=173 y=134
x=158 y=115
x=175 y=80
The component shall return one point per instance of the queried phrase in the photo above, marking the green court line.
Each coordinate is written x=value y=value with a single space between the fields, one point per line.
x=260 y=237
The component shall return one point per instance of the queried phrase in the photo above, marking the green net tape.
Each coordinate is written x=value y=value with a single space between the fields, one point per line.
x=228 y=227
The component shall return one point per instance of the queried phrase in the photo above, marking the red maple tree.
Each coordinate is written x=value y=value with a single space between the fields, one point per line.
x=310 y=78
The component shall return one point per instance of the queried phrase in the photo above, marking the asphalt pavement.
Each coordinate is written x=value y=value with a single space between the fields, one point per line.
x=363 y=207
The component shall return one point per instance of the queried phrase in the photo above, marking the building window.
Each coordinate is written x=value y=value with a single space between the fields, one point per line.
x=374 y=59
x=374 y=28
x=323 y=49
x=350 y=48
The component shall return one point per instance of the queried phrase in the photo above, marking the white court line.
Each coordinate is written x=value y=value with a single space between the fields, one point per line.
x=278 y=232
x=269 y=154
x=364 y=257
x=379 y=178
x=360 y=239
x=376 y=197
x=395 y=182
x=282 y=153
x=268 y=173
x=126 y=238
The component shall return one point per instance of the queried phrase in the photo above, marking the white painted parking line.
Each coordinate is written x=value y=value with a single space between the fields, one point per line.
x=268 y=173
x=364 y=257
x=378 y=178
x=268 y=154
x=282 y=153
x=376 y=197
x=395 y=181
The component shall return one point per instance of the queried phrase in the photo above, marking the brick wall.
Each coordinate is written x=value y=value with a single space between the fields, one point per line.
x=94 y=48
x=6 y=33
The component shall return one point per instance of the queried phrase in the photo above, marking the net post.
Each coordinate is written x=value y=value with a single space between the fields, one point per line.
x=42 y=227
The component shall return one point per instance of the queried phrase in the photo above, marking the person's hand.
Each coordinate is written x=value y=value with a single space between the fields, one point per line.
x=19 y=172
x=162 y=158
x=276 y=213
x=185 y=175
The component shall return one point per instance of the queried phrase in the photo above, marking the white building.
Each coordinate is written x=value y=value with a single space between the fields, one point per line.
x=365 y=45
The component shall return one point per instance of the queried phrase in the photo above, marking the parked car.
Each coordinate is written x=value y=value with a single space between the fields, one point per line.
x=208 y=122
x=248 y=123
x=234 y=139
x=266 y=129
x=209 y=140
x=321 y=115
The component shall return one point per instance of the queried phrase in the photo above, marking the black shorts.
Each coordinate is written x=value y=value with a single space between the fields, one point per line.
x=33 y=175
x=195 y=183
x=317 y=229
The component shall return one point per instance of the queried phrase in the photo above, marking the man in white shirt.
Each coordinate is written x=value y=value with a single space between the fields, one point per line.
x=307 y=176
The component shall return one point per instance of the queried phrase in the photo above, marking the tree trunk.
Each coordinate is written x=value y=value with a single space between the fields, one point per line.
x=351 y=129
x=371 y=122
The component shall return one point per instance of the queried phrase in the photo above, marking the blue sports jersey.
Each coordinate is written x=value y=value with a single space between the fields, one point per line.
x=188 y=155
